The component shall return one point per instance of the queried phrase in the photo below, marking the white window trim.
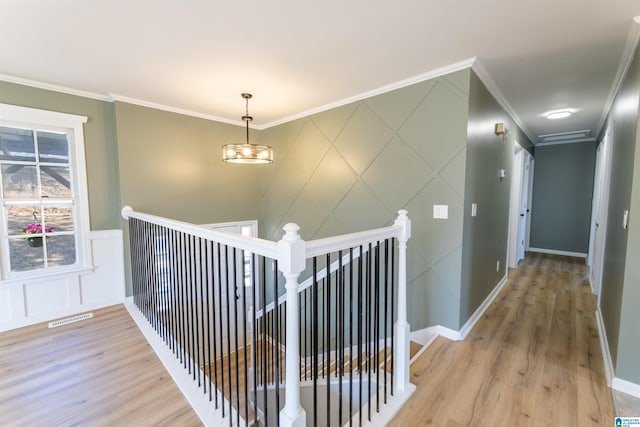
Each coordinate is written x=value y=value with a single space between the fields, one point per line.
x=24 y=116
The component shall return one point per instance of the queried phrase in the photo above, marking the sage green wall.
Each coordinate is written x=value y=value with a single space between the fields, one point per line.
x=628 y=362
x=170 y=165
x=486 y=235
x=621 y=270
x=353 y=167
x=99 y=139
x=562 y=194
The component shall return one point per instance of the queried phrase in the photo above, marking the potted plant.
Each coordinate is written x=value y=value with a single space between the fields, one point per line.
x=36 y=228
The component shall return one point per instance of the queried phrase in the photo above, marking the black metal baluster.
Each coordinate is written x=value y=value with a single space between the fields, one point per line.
x=197 y=281
x=209 y=299
x=369 y=332
x=315 y=335
x=386 y=312
x=376 y=319
x=219 y=309
x=340 y=332
x=264 y=342
x=393 y=277
x=235 y=328
x=226 y=269
x=328 y=347
x=360 y=320
x=277 y=347
x=192 y=300
x=183 y=286
x=254 y=334
x=244 y=335
x=350 y=336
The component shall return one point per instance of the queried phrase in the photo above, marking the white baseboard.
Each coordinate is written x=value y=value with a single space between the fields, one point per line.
x=198 y=400
x=554 y=252
x=477 y=315
x=626 y=387
x=604 y=348
x=428 y=334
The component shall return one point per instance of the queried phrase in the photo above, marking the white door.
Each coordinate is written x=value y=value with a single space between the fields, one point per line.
x=599 y=210
x=529 y=200
x=515 y=205
x=524 y=205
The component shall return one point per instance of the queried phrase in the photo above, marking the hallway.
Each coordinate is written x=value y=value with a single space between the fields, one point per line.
x=533 y=359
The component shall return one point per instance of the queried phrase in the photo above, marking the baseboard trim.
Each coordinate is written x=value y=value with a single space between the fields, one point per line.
x=604 y=348
x=189 y=388
x=429 y=334
x=626 y=387
x=554 y=252
x=477 y=315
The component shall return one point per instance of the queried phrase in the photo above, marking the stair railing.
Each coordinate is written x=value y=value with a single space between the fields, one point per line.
x=188 y=283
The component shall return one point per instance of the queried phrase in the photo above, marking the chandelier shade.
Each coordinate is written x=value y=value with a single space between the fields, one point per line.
x=247 y=153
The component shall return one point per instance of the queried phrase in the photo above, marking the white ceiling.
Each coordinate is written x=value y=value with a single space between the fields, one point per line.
x=298 y=56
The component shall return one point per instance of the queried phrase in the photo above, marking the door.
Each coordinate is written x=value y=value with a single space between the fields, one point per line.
x=600 y=206
x=524 y=205
x=514 y=205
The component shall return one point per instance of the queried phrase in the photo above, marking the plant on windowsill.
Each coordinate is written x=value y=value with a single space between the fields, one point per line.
x=36 y=228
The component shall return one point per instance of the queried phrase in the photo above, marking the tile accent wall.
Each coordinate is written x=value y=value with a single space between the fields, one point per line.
x=353 y=167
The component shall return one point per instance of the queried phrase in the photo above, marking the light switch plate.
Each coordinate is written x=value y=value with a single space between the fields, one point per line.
x=474 y=209
x=625 y=219
x=441 y=211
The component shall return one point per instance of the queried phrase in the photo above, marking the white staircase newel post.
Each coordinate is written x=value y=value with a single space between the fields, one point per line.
x=291 y=262
x=402 y=325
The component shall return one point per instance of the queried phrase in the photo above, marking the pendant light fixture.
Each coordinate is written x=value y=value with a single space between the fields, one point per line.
x=247 y=153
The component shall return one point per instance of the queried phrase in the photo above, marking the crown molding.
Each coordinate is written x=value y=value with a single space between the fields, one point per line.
x=142 y=103
x=438 y=72
x=492 y=87
x=623 y=68
x=52 y=87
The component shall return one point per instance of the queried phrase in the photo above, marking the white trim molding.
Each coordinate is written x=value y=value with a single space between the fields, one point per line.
x=626 y=387
x=52 y=87
x=555 y=252
x=28 y=301
x=477 y=315
x=492 y=87
x=604 y=347
x=438 y=72
x=625 y=62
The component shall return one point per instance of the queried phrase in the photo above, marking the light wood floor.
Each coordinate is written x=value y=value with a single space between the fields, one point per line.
x=97 y=372
x=533 y=360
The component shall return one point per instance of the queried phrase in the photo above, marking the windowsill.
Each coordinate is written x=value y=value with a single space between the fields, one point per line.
x=41 y=277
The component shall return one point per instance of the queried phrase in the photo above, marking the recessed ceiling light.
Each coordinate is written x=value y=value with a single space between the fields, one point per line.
x=557 y=114
x=637 y=19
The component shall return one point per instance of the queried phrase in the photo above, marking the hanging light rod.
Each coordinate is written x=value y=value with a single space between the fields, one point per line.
x=247 y=153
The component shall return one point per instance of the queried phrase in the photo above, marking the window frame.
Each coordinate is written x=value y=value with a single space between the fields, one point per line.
x=73 y=126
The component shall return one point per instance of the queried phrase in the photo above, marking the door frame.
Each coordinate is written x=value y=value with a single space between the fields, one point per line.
x=600 y=211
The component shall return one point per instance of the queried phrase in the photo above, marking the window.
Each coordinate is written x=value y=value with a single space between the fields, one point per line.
x=42 y=191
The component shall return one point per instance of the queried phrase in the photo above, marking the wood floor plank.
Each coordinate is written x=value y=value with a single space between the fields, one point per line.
x=532 y=360
x=97 y=372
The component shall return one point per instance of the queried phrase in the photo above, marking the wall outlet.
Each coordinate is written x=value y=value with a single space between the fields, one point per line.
x=497 y=265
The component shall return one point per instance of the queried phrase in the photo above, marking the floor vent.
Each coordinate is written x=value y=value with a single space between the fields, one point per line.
x=68 y=320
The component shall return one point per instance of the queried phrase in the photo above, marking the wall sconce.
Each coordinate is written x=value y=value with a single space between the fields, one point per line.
x=501 y=129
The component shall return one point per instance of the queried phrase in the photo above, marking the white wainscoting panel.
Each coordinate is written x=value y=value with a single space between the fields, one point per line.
x=36 y=300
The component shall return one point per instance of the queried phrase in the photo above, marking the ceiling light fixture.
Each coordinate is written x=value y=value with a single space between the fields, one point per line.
x=558 y=114
x=247 y=153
